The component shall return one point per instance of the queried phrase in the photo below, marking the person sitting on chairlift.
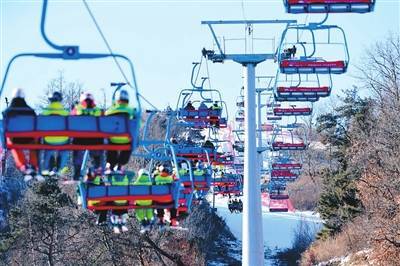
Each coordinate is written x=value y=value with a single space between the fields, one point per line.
x=55 y=107
x=86 y=106
x=95 y=179
x=230 y=206
x=203 y=106
x=189 y=106
x=286 y=53
x=240 y=205
x=208 y=144
x=215 y=118
x=119 y=217
x=162 y=178
x=293 y=51
x=144 y=215
x=18 y=106
x=117 y=159
x=189 y=141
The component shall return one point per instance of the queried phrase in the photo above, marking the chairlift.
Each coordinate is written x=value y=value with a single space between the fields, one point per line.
x=329 y=6
x=278 y=205
x=163 y=196
x=292 y=111
x=284 y=144
x=239 y=116
x=22 y=126
x=197 y=107
x=228 y=184
x=284 y=175
x=240 y=101
x=286 y=166
x=313 y=58
x=278 y=194
x=302 y=87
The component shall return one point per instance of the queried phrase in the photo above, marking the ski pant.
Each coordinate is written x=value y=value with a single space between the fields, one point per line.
x=62 y=159
x=20 y=159
x=118 y=158
x=144 y=213
x=119 y=212
x=96 y=156
x=161 y=212
x=102 y=216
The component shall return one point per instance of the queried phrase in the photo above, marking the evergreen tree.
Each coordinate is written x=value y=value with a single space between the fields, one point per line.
x=339 y=202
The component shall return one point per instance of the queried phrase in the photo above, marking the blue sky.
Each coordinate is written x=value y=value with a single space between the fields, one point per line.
x=162 y=38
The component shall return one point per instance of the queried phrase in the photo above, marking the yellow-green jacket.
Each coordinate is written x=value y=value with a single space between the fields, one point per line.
x=82 y=110
x=96 y=182
x=55 y=108
x=119 y=182
x=143 y=180
x=163 y=179
x=121 y=108
x=198 y=172
x=216 y=107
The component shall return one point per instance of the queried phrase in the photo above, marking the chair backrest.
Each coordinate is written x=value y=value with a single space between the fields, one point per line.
x=27 y=126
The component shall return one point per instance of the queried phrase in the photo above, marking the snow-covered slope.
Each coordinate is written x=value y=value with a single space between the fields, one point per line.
x=278 y=228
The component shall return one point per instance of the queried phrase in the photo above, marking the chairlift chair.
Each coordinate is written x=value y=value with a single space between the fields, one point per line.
x=278 y=205
x=163 y=196
x=285 y=175
x=292 y=111
x=201 y=117
x=286 y=166
x=302 y=87
x=329 y=6
x=313 y=61
x=287 y=146
x=22 y=126
x=229 y=184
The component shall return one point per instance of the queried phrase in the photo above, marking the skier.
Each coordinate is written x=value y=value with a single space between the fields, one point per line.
x=230 y=206
x=240 y=205
x=145 y=215
x=214 y=119
x=55 y=107
x=18 y=106
x=86 y=106
x=189 y=107
x=119 y=216
x=94 y=179
x=117 y=159
x=208 y=144
x=203 y=106
x=162 y=178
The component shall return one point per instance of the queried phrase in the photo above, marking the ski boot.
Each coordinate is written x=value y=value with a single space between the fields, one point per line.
x=123 y=221
x=161 y=223
x=174 y=222
x=145 y=226
x=115 y=224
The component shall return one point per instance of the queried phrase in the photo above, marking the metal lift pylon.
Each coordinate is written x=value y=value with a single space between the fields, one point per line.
x=252 y=235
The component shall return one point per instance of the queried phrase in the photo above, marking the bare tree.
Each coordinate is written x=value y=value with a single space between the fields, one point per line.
x=70 y=91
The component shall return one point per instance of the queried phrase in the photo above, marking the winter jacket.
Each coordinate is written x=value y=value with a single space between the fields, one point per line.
x=55 y=108
x=18 y=106
x=81 y=109
x=117 y=109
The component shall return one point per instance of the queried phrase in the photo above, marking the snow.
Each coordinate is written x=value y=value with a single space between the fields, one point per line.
x=278 y=228
x=351 y=259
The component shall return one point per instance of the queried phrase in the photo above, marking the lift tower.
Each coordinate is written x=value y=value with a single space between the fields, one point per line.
x=252 y=236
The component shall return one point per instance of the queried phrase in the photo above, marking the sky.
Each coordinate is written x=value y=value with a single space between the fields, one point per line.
x=163 y=38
